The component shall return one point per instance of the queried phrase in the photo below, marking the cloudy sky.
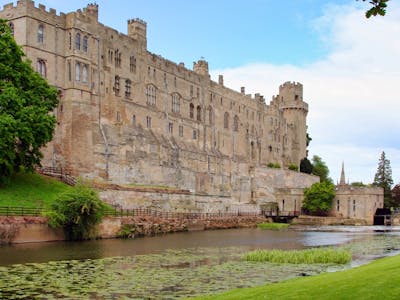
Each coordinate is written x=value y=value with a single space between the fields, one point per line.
x=349 y=65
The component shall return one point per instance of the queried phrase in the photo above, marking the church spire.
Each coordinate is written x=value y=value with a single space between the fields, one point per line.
x=342 y=177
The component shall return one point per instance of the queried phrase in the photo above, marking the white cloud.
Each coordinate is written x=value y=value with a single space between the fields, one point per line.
x=353 y=93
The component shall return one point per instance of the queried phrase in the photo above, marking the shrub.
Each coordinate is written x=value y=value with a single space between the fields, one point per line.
x=293 y=167
x=274 y=165
x=78 y=211
x=307 y=256
x=318 y=198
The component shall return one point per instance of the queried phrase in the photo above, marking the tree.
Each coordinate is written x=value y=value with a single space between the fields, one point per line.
x=318 y=198
x=383 y=178
x=78 y=211
x=320 y=169
x=25 y=102
x=396 y=196
x=306 y=166
x=378 y=8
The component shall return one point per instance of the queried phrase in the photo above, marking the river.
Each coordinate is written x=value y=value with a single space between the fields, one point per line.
x=175 y=265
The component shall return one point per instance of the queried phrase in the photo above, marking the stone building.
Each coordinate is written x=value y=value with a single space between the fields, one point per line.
x=356 y=202
x=129 y=116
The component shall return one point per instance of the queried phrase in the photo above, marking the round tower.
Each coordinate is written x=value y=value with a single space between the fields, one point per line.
x=295 y=111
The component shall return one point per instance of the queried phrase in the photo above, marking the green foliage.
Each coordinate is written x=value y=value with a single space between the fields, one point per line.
x=318 y=198
x=307 y=256
x=127 y=231
x=293 y=167
x=378 y=8
x=31 y=190
x=320 y=169
x=26 y=101
x=383 y=179
x=273 y=226
x=306 y=166
x=274 y=165
x=358 y=184
x=395 y=196
x=78 y=212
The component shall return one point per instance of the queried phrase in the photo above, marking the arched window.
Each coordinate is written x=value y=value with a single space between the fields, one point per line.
x=85 y=44
x=116 y=85
x=77 y=71
x=198 y=113
x=84 y=73
x=226 y=120
x=191 y=112
x=41 y=67
x=210 y=115
x=40 y=35
x=176 y=103
x=236 y=123
x=151 y=94
x=128 y=88
x=11 y=28
x=78 y=41
x=132 y=64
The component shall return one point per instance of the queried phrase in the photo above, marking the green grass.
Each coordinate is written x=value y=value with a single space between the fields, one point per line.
x=31 y=190
x=377 y=280
x=307 y=256
x=273 y=226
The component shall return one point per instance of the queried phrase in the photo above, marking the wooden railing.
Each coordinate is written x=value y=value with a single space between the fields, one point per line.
x=63 y=174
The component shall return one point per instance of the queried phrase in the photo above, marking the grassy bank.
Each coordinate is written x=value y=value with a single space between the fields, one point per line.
x=273 y=226
x=307 y=256
x=377 y=280
x=31 y=190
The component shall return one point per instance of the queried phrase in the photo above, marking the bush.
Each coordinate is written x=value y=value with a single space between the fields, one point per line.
x=318 y=198
x=293 y=167
x=78 y=211
x=307 y=256
x=274 y=165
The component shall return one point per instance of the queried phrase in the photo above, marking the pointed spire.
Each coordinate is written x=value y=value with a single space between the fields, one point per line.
x=342 y=177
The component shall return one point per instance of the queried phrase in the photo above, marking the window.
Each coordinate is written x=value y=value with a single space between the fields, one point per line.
x=78 y=41
x=133 y=120
x=176 y=103
x=180 y=130
x=226 y=120
x=117 y=58
x=210 y=115
x=41 y=67
x=118 y=116
x=84 y=73
x=11 y=29
x=191 y=91
x=151 y=95
x=170 y=128
x=198 y=113
x=198 y=93
x=148 y=122
x=69 y=71
x=236 y=123
x=195 y=134
x=174 y=81
x=40 y=36
x=110 y=56
x=85 y=44
x=128 y=88
x=116 y=85
x=338 y=205
x=354 y=206
x=77 y=71
x=132 y=64
x=191 y=111
x=70 y=40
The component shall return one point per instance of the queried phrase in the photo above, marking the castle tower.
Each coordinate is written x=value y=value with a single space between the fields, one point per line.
x=342 y=177
x=201 y=67
x=137 y=29
x=92 y=10
x=295 y=111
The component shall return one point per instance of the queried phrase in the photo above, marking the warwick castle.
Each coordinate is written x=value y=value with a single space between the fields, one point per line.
x=131 y=117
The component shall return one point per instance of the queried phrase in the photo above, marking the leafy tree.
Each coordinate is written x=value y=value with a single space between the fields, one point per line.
x=25 y=102
x=383 y=178
x=306 y=166
x=378 y=8
x=320 y=169
x=78 y=212
x=358 y=184
x=396 y=196
x=318 y=198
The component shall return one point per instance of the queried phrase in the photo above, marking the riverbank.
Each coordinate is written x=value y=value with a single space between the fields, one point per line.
x=378 y=279
x=36 y=229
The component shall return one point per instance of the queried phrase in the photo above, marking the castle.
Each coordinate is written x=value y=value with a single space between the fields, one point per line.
x=129 y=116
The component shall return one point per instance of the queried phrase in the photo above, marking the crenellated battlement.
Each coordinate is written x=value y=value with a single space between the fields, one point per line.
x=137 y=21
x=28 y=7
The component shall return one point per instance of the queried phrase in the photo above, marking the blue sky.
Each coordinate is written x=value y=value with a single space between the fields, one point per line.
x=350 y=66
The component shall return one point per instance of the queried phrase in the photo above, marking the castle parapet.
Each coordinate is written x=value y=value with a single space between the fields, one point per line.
x=201 y=67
